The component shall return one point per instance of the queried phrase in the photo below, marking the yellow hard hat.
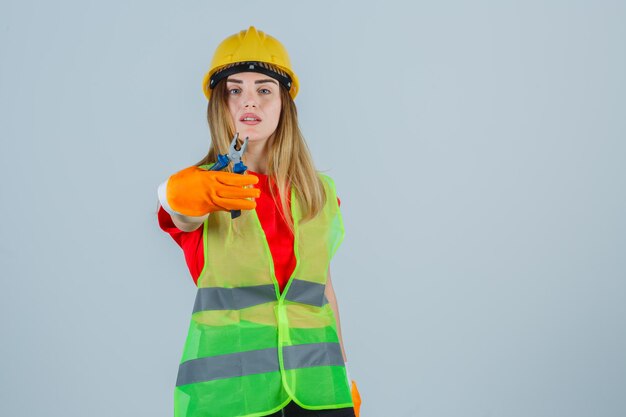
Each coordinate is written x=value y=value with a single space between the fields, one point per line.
x=251 y=50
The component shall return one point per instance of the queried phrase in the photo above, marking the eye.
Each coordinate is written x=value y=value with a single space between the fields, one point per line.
x=265 y=91
x=234 y=91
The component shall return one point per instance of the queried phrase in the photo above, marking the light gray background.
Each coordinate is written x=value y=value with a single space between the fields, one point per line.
x=478 y=149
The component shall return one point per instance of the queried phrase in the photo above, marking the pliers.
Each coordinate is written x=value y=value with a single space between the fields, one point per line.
x=233 y=156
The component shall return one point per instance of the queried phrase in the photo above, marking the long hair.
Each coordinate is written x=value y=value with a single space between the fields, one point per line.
x=289 y=160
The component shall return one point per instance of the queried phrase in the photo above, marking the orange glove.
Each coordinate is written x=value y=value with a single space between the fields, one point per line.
x=196 y=192
x=356 y=399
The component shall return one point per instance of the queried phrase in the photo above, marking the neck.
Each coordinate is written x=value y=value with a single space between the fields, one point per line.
x=256 y=156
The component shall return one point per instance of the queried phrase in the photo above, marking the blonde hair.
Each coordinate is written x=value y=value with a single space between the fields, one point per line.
x=289 y=160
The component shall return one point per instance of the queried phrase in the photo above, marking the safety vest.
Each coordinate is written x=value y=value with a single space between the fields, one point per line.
x=250 y=349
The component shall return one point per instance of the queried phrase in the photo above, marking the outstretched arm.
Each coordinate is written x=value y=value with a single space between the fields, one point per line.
x=187 y=223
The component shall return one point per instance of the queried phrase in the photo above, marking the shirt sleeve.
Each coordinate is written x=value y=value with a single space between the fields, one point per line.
x=190 y=243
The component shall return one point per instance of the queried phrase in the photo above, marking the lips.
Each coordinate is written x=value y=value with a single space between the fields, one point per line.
x=249 y=118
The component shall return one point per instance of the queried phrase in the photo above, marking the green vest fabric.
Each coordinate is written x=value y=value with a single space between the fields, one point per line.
x=250 y=349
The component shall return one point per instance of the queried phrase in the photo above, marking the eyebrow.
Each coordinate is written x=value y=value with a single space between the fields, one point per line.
x=265 y=80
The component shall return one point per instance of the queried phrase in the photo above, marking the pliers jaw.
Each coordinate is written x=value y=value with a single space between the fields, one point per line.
x=235 y=155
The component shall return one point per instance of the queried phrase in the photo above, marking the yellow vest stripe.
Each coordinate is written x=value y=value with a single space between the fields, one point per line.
x=227 y=366
x=218 y=298
x=258 y=362
x=306 y=292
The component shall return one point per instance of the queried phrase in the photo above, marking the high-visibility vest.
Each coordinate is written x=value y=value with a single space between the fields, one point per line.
x=250 y=349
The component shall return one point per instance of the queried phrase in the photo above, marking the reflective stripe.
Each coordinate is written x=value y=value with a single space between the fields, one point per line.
x=218 y=298
x=228 y=366
x=307 y=292
x=313 y=354
x=258 y=362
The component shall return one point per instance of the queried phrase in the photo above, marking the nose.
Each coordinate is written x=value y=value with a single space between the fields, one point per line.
x=249 y=100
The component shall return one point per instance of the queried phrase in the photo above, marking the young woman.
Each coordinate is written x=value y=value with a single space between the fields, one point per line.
x=264 y=337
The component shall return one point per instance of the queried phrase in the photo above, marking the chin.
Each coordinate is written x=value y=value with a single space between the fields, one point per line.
x=255 y=138
x=252 y=135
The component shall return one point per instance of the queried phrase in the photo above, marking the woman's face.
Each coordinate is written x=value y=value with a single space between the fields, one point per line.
x=254 y=104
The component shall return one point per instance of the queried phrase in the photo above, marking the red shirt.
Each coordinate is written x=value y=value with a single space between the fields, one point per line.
x=277 y=233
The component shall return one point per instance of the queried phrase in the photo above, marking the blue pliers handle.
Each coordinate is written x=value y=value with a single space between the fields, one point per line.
x=222 y=162
x=234 y=155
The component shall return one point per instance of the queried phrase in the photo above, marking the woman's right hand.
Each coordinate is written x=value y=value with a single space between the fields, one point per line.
x=195 y=192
